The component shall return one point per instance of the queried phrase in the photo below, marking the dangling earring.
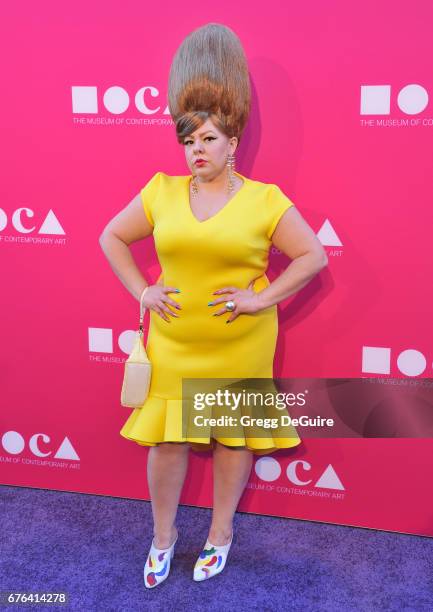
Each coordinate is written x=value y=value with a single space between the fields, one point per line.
x=230 y=168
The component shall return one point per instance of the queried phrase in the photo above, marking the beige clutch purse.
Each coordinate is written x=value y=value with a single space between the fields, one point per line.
x=138 y=369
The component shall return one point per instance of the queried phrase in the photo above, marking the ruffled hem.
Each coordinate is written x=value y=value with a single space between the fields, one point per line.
x=160 y=420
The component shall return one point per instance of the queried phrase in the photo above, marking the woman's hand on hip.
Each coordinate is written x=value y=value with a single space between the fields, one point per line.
x=245 y=301
x=156 y=299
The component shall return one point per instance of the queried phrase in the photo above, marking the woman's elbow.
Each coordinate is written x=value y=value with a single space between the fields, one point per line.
x=104 y=240
x=320 y=258
x=104 y=235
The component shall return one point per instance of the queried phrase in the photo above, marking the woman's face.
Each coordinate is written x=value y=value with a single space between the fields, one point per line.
x=210 y=144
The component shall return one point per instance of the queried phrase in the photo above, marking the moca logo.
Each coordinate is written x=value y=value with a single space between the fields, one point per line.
x=377 y=360
x=115 y=99
x=50 y=225
x=269 y=469
x=376 y=99
x=101 y=340
x=14 y=444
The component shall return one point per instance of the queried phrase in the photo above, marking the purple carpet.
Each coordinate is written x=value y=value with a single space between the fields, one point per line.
x=94 y=548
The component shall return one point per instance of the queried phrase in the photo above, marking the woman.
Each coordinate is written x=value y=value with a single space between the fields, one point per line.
x=212 y=230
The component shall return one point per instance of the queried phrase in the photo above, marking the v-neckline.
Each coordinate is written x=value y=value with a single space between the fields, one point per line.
x=188 y=182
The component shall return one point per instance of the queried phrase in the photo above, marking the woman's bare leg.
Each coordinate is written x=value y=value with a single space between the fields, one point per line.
x=167 y=465
x=231 y=470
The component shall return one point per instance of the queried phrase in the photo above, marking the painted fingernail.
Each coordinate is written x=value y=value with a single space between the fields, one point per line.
x=227 y=321
x=210 y=304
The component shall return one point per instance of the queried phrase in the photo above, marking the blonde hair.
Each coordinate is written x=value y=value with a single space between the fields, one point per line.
x=209 y=79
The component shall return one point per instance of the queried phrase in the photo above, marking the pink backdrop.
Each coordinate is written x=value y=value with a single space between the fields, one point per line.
x=341 y=121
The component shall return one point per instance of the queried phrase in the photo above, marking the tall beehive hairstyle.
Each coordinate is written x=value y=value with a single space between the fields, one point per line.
x=209 y=79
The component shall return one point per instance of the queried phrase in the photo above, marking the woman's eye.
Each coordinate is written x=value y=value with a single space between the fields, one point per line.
x=186 y=142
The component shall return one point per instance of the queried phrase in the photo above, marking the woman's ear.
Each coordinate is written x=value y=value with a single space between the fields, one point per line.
x=234 y=143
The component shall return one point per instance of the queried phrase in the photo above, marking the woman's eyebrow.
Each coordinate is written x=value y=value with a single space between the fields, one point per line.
x=207 y=132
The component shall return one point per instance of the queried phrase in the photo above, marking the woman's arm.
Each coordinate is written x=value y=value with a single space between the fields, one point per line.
x=294 y=237
x=129 y=225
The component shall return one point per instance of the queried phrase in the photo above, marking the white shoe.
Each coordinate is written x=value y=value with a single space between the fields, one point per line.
x=211 y=560
x=157 y=566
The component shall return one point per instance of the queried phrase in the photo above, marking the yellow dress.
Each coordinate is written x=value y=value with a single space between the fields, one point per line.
x=231 y=248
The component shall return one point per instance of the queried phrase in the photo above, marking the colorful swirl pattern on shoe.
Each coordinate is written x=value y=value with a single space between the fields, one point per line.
x=211 y=560
x=157 y=566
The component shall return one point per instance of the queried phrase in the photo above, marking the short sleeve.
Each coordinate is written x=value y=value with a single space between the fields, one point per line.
x=148 y=196
x=277 y=203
